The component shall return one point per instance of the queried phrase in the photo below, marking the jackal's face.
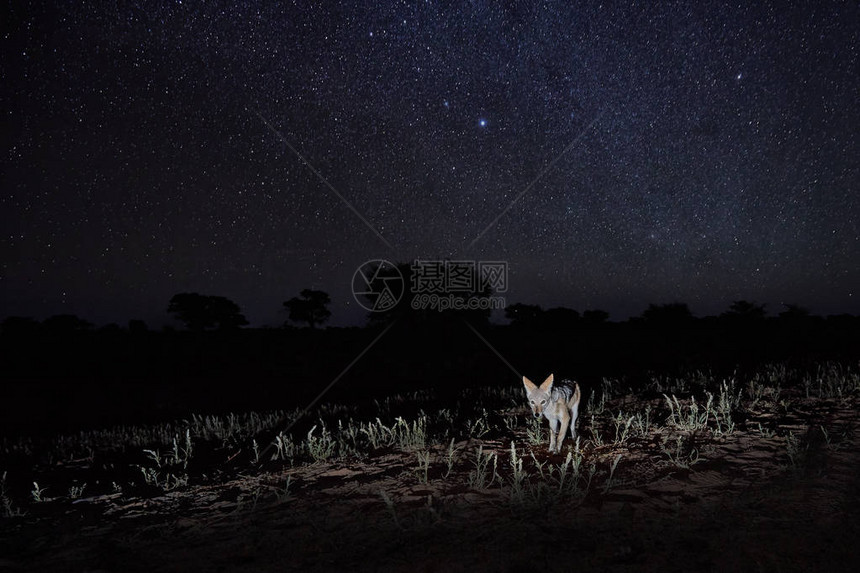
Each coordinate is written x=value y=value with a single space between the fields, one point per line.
x=538 y=396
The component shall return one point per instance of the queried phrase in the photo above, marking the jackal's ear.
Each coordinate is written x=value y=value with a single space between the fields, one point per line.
x=547 y=384
x=530 y=386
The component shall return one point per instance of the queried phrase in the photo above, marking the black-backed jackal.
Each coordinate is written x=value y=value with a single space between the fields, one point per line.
x=559 y=403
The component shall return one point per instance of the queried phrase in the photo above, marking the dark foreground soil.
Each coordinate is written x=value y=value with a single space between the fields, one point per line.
x=743 y=507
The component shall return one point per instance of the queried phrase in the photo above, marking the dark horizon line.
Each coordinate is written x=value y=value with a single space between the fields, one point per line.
x=174 y=324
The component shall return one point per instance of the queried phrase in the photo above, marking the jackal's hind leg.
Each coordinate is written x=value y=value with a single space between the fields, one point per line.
x=553 y=429
x=565 y=420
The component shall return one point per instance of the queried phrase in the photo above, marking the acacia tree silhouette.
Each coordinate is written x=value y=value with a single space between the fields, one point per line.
x=200 y=312
x=670 y=315
x=744 y=311
x=312 y=307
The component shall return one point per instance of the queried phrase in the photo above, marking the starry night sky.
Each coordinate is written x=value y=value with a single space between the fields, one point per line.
x=680 y=151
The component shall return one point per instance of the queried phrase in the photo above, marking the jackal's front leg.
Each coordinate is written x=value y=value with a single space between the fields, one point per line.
x=553 y=427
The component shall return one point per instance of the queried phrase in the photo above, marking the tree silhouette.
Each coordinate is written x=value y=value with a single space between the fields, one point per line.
x=667 y=315
x=745 y=311
x=595 y=317
x=794 y=312
x=561 y=318
x=200 y=312
x=65 y=323
x=523 y=315
x=310 y=308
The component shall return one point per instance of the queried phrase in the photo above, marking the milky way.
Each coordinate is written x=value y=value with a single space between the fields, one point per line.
x=636 y=154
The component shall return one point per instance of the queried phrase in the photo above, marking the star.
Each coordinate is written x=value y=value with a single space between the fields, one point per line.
x=482 y=122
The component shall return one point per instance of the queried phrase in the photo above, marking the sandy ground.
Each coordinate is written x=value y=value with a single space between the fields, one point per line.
x=743 y=507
